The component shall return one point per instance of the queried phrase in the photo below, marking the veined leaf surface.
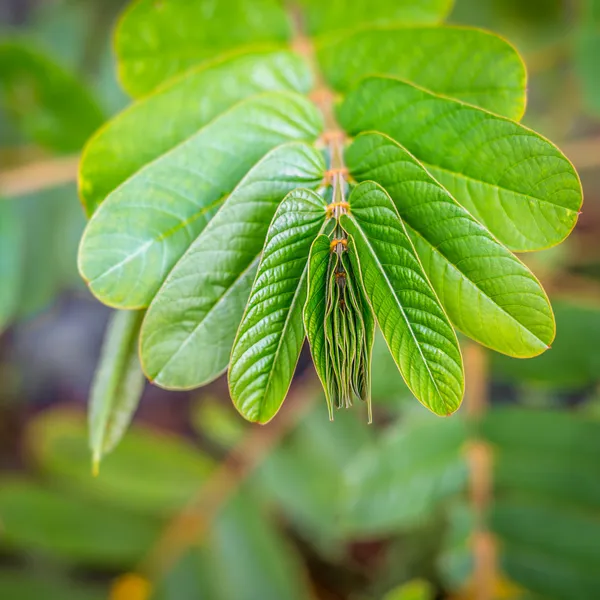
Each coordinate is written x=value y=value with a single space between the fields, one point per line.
x=462 y=62
x=190 y=326
x=157 y=40
x=156 y=124
x=271 y=334
x=143 y=227
x=413 y=323
x=512 y=180
x=486 y=291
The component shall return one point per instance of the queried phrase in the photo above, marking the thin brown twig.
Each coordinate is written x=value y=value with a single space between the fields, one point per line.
x=480 y=461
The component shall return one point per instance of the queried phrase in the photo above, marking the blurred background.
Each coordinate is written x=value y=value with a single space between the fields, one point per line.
x=501 y=501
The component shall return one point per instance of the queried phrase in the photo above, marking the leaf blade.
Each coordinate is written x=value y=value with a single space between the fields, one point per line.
x=487 y=292
x=139 y=232
x=512 y=180
x=212 y=281
x=413 y=323
x=282 y=287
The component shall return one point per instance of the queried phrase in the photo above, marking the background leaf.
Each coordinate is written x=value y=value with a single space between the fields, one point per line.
x=513 y=181
x=11 y=251
x=118 y=384
x=268 y=342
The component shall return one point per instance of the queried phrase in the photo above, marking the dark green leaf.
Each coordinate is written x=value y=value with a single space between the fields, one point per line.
x=271 y=333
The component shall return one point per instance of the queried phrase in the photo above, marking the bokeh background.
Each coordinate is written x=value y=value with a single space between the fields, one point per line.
x=500 y=501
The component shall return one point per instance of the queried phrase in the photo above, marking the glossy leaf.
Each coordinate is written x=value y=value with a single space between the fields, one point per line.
x=149 y=472
x=271 y=333
x=486 y=291
x=190 y=326
x=512 y=180
x=399 y=481
x=11 y=253
x=143 y=227
x=71 y=528
x=465 y=63
x=156 y=124
x=323 y=17
x=413 y=323
x=118 y=384
x=49 y=104
x=157 y=40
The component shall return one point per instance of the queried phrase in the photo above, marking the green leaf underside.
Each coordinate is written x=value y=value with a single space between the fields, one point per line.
x=512 y=180
x=486 y=291
x=271 y=334
x=49 y=105
x=143 y=227
x=333 y=15
x=190 y=326
x=156 y=40
x=118 y=384
x=11 y=255
x=413 y=323
x=465 y=63
x=154 y=125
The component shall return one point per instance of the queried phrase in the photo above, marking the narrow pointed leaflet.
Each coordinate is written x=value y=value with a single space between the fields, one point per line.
x=191 y=324
x=414 y=325
x=271 y=333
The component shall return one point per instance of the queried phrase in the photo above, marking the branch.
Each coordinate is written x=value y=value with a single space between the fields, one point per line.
x=38 y=176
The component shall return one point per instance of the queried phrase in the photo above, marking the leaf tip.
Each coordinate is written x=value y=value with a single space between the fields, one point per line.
x=96 y=464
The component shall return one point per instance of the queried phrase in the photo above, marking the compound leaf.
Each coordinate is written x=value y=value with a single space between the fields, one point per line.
x=191 y=324
x=465 y=63
x=413 y=323
x=156 y=124
x=486 y=291
x=118 y=384
x=157 y=40
x=271 y=334
x=512 y=180
x=143 y=227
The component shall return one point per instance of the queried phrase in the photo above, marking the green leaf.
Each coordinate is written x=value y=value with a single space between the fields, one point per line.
x=11 y=253
x=573 y=360
x=512 y=180
x=259 y=561
x=149 y=472
x=271 y=333
x=157 y=40
x=587 y=48
x=118 y=384
x=142 y=229
x=22 y=584
x=315 y=310
x=421 y=457
x=465 y=63
x=486 y=291
x=333 y=15
x=409 y=314
x=153 y=126
x=413 y=590
x=50 y=106
x=190 y=326
x=71 y=528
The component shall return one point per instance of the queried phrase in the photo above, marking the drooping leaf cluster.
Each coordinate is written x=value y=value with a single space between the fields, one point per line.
x=212 y=206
